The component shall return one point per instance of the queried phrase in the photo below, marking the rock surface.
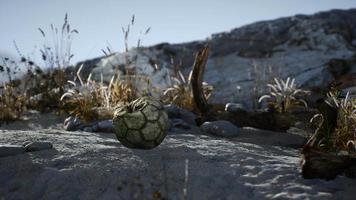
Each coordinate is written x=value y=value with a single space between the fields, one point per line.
x=220 y=128
x=10 y=150
x=96 y=166
x=257 y=165
x=250 y=56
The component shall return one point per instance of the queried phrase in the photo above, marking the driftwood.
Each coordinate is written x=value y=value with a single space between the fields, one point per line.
x=197 y=79
x=319 y=164
x=197 y=84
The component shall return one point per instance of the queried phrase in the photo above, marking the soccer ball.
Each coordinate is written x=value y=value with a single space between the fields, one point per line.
x=142 y=124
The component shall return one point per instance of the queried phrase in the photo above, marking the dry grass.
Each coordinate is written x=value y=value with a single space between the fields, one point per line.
x=81 y=98
x=84 y=98
x=56 y=49
x=345 y=132
x=12 y=95
x=284 y=95
x=343 y=137
x=181 y=93
x=12 y=103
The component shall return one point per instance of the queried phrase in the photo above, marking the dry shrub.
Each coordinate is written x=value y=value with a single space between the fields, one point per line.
x=80 y=99
x=12 y=103
x=85 y=98
x=181 y=93
x=345 y=131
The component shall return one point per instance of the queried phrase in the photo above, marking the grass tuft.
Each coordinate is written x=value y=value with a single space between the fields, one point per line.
x=284 y=95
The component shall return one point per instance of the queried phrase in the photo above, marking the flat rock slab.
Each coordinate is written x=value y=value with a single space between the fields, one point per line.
x=96 y=166
x=10 y=150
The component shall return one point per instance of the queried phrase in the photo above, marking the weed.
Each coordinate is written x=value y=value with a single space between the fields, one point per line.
x=56 y=52
x=12 y=103
x=284 y=95
x=340 y=133
x=12 y=96
x=80 y=100
x=345 y=132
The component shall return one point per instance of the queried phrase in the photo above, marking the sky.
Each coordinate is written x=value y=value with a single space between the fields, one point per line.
x=99 y=22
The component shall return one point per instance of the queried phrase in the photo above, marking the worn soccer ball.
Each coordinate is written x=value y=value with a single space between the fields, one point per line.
x=142 y=124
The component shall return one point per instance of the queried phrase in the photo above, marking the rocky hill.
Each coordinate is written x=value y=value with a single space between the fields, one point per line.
x=315 y=49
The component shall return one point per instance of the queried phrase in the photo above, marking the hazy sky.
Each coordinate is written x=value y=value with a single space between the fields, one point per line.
x=100 y=22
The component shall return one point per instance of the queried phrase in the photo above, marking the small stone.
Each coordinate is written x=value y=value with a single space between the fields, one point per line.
x=220 y=128
x=38 y=146
x=105 y=126
x=88 y=129
x=10 y=150
x=71 y=123
x=234 y=107
x=179 y=123
x=188 y=117
x=174 y=112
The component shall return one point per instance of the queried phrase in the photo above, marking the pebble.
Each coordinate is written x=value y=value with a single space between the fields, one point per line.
x=71 y=123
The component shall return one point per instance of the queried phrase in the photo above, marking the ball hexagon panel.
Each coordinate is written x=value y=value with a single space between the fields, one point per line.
x=149 y=132
x=135 y=120
x=151 y=113
x=121 y=128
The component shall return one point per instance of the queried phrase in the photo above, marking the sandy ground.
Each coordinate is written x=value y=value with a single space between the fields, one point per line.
x=186 y=165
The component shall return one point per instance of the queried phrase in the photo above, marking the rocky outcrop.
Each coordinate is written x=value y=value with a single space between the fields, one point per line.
x=314 y=49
